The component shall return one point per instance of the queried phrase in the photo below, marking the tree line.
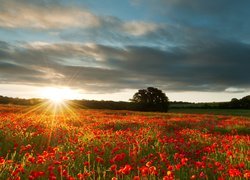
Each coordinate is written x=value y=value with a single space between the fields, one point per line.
x=19 y=101
x=243 y=103
x=149 y=99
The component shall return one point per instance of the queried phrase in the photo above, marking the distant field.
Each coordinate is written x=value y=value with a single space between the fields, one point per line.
x=230 y=112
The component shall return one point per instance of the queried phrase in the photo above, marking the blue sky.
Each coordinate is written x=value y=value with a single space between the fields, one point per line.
x=193 y=50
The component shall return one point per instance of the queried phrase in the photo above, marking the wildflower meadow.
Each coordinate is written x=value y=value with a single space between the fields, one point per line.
x=105 y=144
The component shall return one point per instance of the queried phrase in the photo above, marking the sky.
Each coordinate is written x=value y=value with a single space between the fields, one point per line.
x=193 y=50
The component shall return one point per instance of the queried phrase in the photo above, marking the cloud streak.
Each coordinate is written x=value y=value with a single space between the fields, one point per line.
x=18 y=14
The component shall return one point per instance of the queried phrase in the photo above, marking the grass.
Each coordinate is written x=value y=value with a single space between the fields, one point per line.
x=228 y=112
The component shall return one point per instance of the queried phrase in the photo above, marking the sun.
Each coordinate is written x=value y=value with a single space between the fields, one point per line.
x=58 y=95
x=56 y=99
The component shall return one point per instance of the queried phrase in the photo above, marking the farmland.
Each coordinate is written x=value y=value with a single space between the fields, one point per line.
x=103 y=144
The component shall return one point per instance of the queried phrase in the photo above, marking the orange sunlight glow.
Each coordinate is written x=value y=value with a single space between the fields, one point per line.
x=58 y=95
x=57 y=106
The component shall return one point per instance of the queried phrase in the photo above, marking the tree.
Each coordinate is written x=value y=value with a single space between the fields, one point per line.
x=245 y=102
x=151 y=99
x=234 y=103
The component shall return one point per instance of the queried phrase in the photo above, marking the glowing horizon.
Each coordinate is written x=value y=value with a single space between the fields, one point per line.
x=58 y=94
x=77 y=94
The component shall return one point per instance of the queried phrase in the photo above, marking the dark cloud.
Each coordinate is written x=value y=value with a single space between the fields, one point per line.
x=16 y=74
x=211 y=68
x=46 y=65
x=215 y=67
x=222 y=18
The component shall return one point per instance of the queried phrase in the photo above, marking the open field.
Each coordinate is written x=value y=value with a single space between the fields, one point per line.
x=91 y=144
x=229 y=112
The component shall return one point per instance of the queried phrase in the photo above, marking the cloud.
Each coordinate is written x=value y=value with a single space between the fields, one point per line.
x=28 y=14
x=139 y=28
x=99 y=68
x=214 y=67
x=226 y=19
x=116 y=31
x=77 y=23
x=191 y=7
x=43 y=64
x=235 y=90
x=18 y=74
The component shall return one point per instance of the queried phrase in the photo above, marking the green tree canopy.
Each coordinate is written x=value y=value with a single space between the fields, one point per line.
x=151 y=99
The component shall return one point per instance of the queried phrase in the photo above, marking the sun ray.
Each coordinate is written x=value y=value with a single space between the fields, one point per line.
x=55 y=109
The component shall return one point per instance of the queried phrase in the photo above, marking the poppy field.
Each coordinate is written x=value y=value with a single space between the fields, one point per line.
x=103 y=144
